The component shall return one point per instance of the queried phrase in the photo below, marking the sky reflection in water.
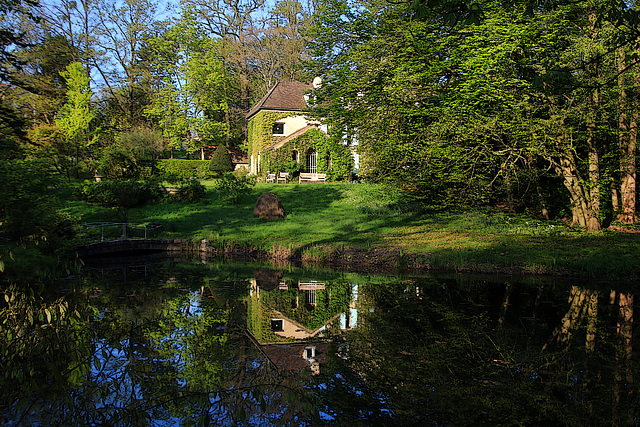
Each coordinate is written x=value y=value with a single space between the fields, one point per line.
x=190 y=343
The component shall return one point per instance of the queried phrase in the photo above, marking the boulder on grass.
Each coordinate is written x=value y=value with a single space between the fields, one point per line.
x=268 y=206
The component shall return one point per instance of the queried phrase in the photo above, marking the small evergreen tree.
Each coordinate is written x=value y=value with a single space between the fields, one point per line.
x=220 y=161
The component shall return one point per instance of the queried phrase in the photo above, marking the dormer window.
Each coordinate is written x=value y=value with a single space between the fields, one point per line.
x=278 y=129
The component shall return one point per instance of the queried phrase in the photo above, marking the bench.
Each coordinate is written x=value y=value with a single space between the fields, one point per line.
x=312 y=177
x=271 y=177
x=283 y=177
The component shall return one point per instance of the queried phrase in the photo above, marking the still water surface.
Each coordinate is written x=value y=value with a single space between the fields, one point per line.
x=198 y=342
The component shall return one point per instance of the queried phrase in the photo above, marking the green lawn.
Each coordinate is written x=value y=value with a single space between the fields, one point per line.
x=335 y=219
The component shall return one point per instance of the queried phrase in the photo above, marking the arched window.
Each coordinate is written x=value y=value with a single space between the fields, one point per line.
x=295 y=156
x=312 y=160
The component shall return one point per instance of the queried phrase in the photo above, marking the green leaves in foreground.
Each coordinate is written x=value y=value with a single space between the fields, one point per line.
x=39 y=342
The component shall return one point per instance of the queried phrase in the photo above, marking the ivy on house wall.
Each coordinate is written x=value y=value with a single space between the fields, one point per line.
x=334 y=159
x=332 y=300
x=260 y=130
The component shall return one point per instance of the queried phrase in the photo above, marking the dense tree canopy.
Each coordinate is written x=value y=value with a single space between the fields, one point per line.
x=511 y=108
x=533 y=106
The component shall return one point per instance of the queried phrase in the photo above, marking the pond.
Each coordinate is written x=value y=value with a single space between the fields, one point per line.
x=198 y=342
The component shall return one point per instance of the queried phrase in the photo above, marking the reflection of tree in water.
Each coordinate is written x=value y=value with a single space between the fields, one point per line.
x=586 y=320
x=625 y=400
x=424 y=353
x=147 y=352
x=583 y=309
x=430 y=354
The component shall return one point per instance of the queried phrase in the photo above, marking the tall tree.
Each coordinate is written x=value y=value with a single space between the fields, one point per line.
x=121 y=31
x=192 y=104
x=460 y=114
x=280 y=50
x=77 y=23
x=628 y=84
x=233 y=21
x=42 y=89
x=75 y=116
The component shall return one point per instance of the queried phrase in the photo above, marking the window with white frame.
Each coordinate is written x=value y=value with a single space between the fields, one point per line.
x=277 y=325
x=278 y=129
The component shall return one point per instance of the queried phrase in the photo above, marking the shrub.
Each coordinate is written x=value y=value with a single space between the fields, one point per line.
x=132 y=154
x=27 y=202
x=220 y=161
x=190 y=191
x=121 y=194
x=235 y=188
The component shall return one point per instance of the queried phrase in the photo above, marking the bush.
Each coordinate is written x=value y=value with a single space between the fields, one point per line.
x=235 y=188
x=190 y=191
x=220 y=161
x=28 y=205
x=121 y=194
x=133 y=154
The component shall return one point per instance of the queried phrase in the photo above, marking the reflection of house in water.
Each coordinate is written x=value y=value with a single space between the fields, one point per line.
x=282 y=312
x=297 y=356
x=284 y=326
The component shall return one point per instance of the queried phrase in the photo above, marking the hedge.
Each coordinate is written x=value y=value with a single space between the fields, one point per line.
x=185 y=169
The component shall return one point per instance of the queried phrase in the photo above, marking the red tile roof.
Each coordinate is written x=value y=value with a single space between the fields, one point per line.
x=288 y=357
x=284 y=96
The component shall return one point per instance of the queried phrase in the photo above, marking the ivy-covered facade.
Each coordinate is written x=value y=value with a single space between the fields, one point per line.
x=282 y=139
x=299 y=311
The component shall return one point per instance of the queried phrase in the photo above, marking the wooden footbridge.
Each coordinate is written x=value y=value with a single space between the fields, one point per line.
x=109 y=238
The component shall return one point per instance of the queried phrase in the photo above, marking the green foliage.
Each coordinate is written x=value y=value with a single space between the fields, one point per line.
x=189 y=190
x=76 y=115
x=184 y=169
x=260 y=131
x=132 y=155
x=220 y=161
x=41 y=343
x=50 y=142
x=121 y=194
x=332 y=300
x=28 y=205
x=473 y=115
x=333 y=158
x=196 y=91
x=234 y=188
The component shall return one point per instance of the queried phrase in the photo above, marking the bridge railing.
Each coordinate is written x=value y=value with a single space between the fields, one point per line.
x=107 y=231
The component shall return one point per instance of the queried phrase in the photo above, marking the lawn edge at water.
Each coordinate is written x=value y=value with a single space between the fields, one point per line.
x=384 y=259
x=368 y=227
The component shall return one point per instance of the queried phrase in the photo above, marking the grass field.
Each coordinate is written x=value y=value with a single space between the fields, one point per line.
x=372 y=223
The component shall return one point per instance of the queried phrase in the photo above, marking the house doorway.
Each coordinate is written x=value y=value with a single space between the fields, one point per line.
x=312 y=161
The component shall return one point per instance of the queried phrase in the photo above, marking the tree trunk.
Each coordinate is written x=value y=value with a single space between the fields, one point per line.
x=572 y=319
x=627 y=141
x=581 y=203
x=593 y=220
x=628 y=164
